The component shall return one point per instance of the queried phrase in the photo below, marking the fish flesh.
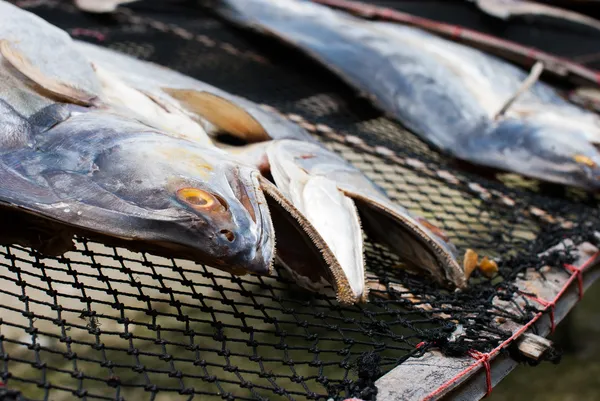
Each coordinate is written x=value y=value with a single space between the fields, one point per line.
x=329 y=192
x=458 y=99
x=509 y=9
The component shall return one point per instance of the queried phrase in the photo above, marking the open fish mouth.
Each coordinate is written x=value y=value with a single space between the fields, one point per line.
x=244 y=182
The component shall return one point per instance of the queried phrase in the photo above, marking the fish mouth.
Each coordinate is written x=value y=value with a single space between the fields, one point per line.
x=259 y=258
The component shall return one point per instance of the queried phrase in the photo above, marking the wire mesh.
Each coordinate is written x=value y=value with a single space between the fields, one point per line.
x=105 y=323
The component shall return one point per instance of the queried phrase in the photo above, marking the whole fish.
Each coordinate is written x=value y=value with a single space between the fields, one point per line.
x=468 y=104
x=329 y=193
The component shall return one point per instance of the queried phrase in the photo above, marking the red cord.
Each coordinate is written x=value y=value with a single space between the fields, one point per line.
x=419 y=345
x=485 y=359
x=578 y=273
x=457 y=32
x=547 y=305
x=516 y=334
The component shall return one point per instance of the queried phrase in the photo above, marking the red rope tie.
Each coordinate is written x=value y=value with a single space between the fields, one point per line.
x=456 y=32
x=419 y=345
x=547 y=305
x=577 y=272
x=485 y=359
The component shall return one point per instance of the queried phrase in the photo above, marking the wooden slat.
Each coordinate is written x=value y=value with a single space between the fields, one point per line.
x=464 y=378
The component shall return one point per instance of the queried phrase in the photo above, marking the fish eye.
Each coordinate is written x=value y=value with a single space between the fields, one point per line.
x=200 y=199
x=581 y=159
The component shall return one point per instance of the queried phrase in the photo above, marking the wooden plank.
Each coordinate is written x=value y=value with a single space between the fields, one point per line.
x=464 y=378
x=533 y=346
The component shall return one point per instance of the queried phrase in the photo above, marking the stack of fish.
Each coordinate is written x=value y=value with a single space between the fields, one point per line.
x=101 y=144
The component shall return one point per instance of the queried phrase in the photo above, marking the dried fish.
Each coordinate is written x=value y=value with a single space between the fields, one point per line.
x=73 y=164
x=459 y=99
x=108 y=176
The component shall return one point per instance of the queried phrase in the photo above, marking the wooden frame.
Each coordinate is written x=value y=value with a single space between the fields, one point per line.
x=465 y=378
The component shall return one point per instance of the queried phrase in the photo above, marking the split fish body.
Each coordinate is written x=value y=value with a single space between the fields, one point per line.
x=448 y=94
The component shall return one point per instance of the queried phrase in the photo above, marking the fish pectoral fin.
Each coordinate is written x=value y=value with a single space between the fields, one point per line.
x=223 y=113
x=302 y=250
x=51 y=116
x=48 y=86
x=416 y=241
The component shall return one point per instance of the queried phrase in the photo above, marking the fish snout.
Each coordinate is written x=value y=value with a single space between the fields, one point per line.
x=251 y=217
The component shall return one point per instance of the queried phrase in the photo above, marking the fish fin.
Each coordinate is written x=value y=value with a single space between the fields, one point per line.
x=223 y=113
x=52 y=115
x=415 y=240
x=301 y=249
x=60 y=90
x=17 y=131
x=35 y=232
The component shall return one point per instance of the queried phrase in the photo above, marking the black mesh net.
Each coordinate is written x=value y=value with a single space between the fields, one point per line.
x=107 y=323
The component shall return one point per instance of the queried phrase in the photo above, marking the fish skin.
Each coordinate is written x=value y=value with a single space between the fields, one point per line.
x=446 y=93
x=104 y=173
x=57 y=64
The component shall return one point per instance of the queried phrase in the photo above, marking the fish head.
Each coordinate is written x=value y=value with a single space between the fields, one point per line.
x=194 y=199
x=539 y=149
x=235 y=228
x=566 y=154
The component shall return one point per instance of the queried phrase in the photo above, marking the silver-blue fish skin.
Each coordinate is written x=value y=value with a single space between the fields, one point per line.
x=105 y=173
x=445 y=92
